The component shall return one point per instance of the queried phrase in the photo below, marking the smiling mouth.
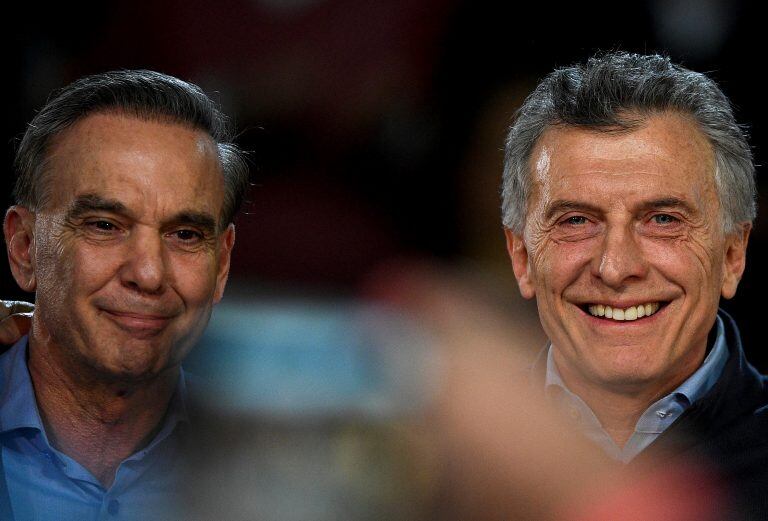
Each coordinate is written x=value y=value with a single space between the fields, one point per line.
x=623 y=314
x=139 y=321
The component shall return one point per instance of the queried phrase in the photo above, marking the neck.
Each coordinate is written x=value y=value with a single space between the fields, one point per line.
x=618 y=413
x=97 y=421
x=619 y=407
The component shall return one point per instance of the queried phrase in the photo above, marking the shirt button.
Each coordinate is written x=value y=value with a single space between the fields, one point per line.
x=113 y=507
x=662 y=414
x=574 y=414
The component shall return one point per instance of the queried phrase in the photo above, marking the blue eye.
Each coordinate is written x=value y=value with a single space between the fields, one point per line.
x=664 y=218
x=576 y=220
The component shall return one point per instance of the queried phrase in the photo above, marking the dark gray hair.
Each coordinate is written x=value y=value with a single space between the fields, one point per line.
x=141 y=93
x=617 y=91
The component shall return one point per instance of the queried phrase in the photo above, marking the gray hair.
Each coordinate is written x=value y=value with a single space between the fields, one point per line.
x=616 y=91
x=141 y=93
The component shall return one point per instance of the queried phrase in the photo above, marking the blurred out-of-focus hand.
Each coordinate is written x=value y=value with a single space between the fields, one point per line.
x=503 y=451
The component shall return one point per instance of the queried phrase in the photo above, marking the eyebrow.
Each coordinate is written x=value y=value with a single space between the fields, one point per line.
x=91 y=202
x=668 y=202
x=201 y=220
x=564 y=205
x=94 y=203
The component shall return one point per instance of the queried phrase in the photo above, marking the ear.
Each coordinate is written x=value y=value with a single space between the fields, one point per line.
x=518 y=253
x=18 y=228
x=225 y=253
x=735 y=259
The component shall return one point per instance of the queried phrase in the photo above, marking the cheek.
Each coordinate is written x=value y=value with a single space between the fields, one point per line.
x=691 y=264
x=68 y=267
x=194 y=277
x=54 y=264
x=556 y=265
x=92 y=270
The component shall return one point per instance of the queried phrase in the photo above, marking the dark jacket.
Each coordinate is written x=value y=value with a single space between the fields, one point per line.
x=727 y=430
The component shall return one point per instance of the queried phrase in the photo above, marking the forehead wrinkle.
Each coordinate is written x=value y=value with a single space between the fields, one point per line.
x=81 y=160
x=685 y=135
x=566 y=177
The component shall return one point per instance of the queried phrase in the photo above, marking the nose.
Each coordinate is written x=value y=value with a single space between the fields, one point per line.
x=146 y=266
x=621 y=258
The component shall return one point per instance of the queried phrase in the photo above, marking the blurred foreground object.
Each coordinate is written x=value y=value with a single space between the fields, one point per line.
x=417 y=407
x=314 y=399
x=504 y=453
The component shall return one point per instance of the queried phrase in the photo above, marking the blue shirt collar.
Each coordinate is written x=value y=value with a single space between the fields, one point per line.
x=18 y=407
x=705 y=377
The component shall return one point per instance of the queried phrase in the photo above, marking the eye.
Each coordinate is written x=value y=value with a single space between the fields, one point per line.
x=188 y=235
x=664 y=219
x=102 y=226
x=573 y=226
x=575 y=220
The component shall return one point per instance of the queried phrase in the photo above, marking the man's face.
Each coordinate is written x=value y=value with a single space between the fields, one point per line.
x=129 y=254
x=630 y=221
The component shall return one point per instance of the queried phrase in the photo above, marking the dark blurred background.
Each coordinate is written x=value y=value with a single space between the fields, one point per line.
x=375 y=126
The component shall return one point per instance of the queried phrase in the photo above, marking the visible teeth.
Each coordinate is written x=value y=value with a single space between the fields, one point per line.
x=630 y=313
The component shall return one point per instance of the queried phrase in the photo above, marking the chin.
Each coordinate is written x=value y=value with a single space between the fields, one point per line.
x=627 y=375
x=135 y=369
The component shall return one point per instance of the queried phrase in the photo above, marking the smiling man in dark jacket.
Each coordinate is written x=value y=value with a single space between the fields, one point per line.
x=628 y=200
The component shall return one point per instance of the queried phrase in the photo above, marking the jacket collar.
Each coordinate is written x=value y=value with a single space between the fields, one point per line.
x=739 y=392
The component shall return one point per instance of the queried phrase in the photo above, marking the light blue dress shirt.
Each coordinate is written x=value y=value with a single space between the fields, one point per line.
x=657 y=418
x=45 y=484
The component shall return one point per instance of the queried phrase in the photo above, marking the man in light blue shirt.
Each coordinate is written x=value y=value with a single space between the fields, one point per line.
x=127 y=188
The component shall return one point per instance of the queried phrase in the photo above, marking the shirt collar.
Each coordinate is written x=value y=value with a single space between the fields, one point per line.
x=18 y=407
x=705 y=377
